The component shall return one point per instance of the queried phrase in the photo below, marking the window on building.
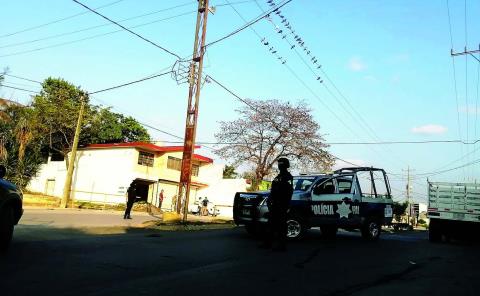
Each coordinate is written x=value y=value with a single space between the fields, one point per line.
x=145 y=158
x=195 y=169
x=174 y=163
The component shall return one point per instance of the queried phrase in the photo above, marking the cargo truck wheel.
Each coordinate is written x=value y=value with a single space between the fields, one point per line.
x=371 y=230
x=329 y=231
x=434 y=233
x=295 y=228
x=7 y=222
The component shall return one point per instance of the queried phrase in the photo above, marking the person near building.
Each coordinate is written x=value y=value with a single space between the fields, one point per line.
x=205 y=206
x=131 y=196
x=160 y=199
x=278 y=204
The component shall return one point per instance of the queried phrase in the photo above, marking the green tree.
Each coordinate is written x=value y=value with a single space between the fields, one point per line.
x=55 y=111
x=229 y=172
x=109 y=127
x=20 y=147
x=399 y=209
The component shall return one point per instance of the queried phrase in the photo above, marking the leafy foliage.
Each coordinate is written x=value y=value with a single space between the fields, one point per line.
x=268 y=130
x=399 y=209
x=229 y=172
x=20 y=151
x=109 y=127
x=29 y=133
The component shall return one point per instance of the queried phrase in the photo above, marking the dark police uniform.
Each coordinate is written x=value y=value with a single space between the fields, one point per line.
x=131 y=196
x=278 y=204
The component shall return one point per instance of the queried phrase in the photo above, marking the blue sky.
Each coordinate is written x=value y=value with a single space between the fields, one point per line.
x=389 y=59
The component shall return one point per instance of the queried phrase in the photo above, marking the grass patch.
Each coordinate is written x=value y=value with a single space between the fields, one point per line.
x=190 y=226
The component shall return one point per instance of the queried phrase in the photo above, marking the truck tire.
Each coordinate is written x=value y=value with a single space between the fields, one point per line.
x=371 y=230
x=434 y=233
x=7 y=221
x=295 y=228
x=329 y=231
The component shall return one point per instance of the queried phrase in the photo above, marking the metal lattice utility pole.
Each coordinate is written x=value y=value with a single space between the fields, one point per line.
x=195 y=80
x=71 y=163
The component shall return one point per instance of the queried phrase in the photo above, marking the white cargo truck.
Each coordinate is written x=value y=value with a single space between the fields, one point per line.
x=453 y=208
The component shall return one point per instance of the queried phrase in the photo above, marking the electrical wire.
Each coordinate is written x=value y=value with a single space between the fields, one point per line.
x=130 y=83
x=94 y=36
x=248 y=24
x=128 y=30
x=97 y=26
x=454 y=78
x=18 y=88
x=58 y=20
x=21 y=78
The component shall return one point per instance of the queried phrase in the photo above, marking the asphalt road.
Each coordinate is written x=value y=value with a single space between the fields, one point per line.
x=45 y=260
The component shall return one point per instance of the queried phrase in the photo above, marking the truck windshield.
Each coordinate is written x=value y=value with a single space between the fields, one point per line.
x=303 y=183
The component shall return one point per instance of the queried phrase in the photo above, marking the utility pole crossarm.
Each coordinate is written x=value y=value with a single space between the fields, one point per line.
x=466 y=52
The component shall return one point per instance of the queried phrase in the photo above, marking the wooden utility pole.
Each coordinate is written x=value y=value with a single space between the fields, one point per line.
x=71 y=162
x=195 y=80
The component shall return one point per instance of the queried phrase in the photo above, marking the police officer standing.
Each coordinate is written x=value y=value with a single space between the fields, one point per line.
x=278 y=204
x=131 y=196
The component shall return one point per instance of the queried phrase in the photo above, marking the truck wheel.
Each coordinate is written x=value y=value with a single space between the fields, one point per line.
x=434 y=233
x=295 y=228
x=329 y=231
x=6 y=227
x=371 y=230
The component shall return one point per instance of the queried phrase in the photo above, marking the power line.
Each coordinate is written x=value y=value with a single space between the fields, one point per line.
x=18 y=88
x=248 y=24
x=22 y=78
x=128 y=30
x=97 y=26
x=454 y=77
x=94 y=36
x=130 y=83
x=58 y=20
x=346 y=143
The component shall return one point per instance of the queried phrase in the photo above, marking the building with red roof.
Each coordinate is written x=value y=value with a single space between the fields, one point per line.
x=104 y=171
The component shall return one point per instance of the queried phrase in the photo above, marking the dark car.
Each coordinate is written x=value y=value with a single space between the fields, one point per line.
x=350 y=198
x=10 y=209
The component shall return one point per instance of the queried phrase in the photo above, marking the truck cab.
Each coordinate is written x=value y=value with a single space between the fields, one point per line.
x=349 y=198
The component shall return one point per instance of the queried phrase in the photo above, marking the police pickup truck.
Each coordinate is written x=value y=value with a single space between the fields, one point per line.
x=350 y=198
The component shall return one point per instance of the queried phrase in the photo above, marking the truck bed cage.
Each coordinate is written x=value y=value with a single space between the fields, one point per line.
x=357 y=169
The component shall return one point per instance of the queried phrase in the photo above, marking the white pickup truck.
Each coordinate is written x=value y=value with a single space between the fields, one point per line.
x=453 y=208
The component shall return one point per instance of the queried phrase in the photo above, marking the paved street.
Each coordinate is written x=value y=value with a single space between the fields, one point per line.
x=48 y=260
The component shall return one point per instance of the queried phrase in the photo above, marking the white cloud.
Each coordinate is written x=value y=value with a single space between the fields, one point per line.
x=356 y=64
x=429 y=129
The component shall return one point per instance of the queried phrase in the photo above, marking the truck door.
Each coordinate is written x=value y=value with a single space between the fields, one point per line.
x=335 y=202
x=375 y=194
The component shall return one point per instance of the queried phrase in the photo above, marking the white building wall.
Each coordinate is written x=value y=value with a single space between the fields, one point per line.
x=103 y=176
x=100 y=175
x=220 y=192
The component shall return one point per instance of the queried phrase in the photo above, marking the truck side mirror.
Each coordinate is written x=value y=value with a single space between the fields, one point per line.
x=3 y=171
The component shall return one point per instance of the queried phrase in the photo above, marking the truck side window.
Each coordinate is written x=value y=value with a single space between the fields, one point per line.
x=325 y=188
x=345 y=184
